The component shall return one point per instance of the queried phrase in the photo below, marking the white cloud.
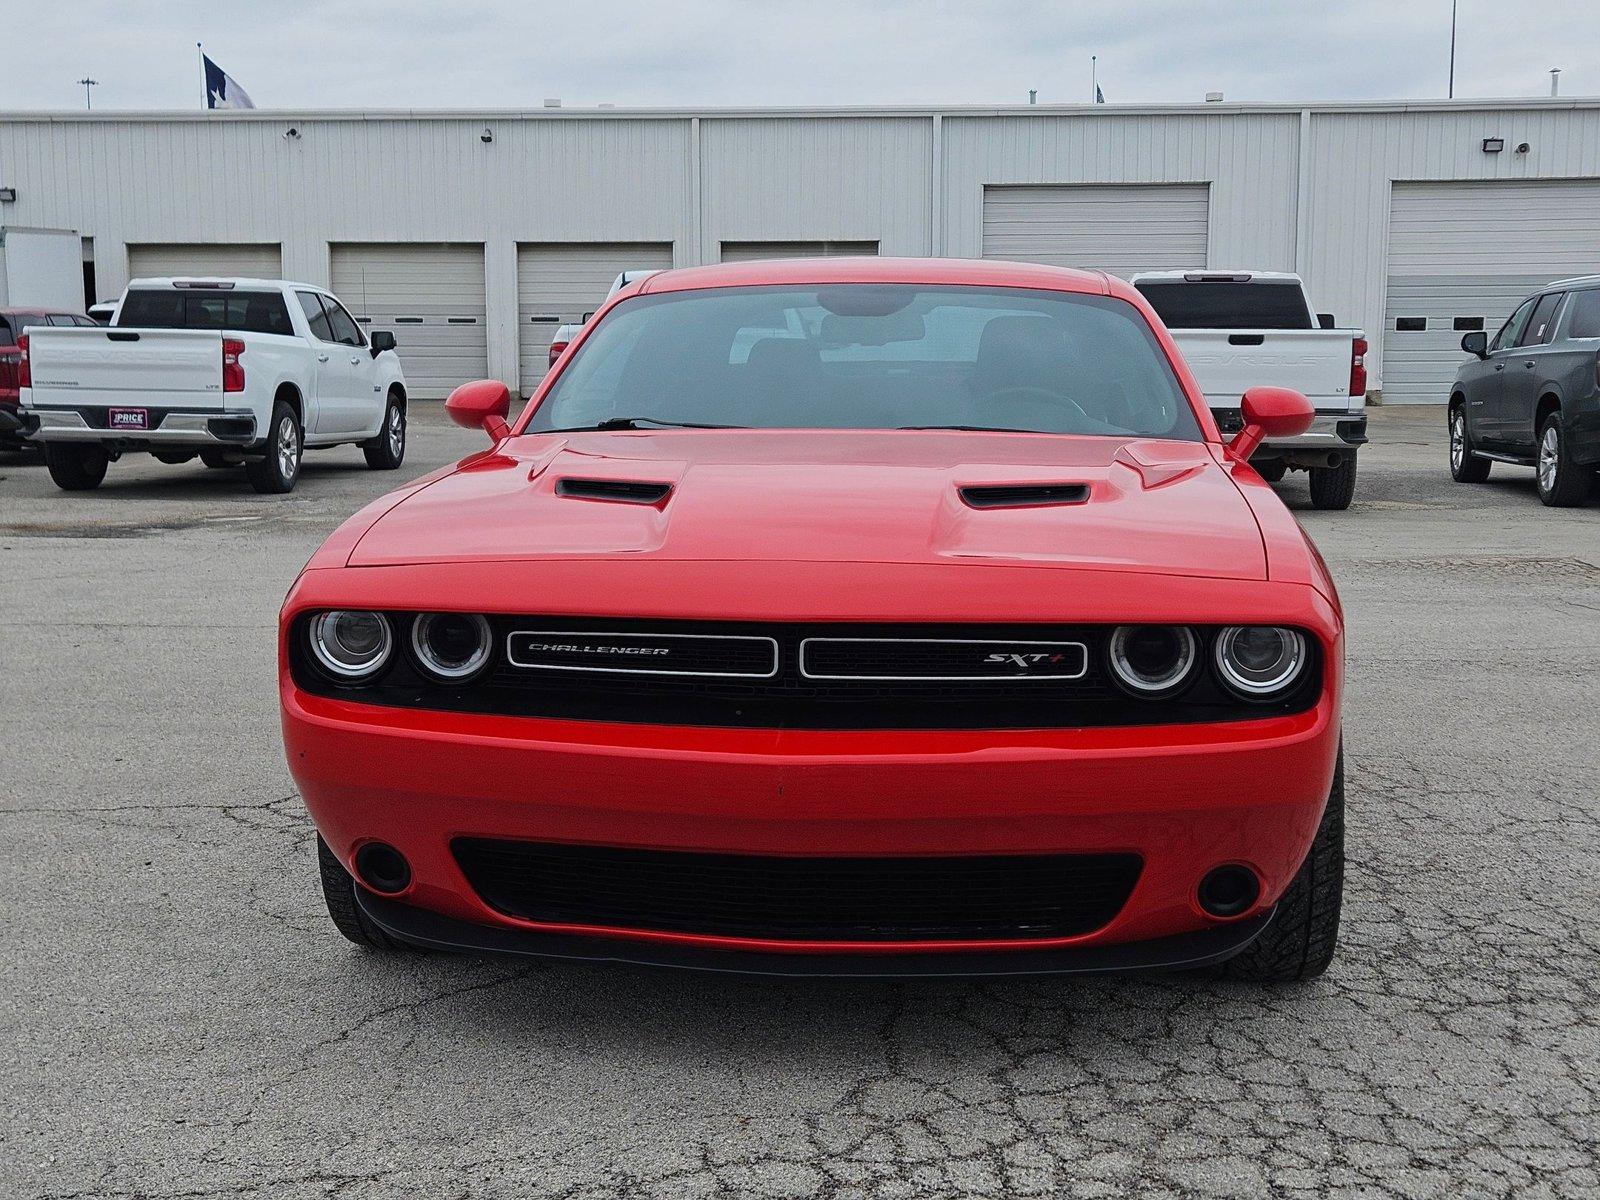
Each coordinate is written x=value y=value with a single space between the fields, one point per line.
x=500 y=53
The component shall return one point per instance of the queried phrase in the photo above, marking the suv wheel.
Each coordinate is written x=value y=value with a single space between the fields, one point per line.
x=276 y=472
x=75 y=468
x=1465 y=466
x=388 y=450
x=1299 y=942
x=1562 y=482
x=339 y=894
x=1334 y=487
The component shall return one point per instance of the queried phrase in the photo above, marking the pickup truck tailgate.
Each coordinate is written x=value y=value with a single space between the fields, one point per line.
x=1225 y=362
x=148 y=368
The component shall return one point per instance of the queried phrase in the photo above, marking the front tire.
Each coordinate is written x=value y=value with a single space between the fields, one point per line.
x=1465 y=466
x=1333 y=488
x=388 y=450
x=1299 y=941
x=277 y=471
x=75 y=468
x=339 y=894
x=1562 y=482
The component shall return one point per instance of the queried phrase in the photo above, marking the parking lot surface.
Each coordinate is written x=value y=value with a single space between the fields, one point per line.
x=182 y=1020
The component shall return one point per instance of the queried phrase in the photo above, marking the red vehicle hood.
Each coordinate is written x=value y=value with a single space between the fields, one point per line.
x=745 y=496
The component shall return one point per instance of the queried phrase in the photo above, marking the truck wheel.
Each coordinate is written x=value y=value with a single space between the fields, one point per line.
x=276 y=472
x=388 y=450
x=1562 y=482
x=339 y=894
x=75 y=468
x=1299 y=942
x=1272 y=471
x=1334 y=487
x=1465 y=466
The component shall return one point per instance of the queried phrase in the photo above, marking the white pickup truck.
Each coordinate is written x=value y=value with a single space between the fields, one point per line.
x=1240 y=329
x=233 y=371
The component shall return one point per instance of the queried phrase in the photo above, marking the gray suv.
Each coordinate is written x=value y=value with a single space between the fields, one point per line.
x=1532 y=395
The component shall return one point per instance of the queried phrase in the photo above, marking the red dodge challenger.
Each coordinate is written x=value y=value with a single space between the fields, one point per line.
x=840 y=616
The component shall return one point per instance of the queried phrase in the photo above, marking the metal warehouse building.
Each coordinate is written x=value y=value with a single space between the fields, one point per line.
x=474 y=234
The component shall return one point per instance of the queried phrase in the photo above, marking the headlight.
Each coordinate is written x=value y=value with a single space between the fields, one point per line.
x=1153 y=660
x=1260 y=661
x=351 y=645
x=451 y=646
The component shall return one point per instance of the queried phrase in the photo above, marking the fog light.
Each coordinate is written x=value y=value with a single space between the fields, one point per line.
x=1228 y=891
x=383 y=868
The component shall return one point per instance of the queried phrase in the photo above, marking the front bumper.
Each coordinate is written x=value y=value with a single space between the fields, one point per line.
x=205 y=428
x=1185 y=798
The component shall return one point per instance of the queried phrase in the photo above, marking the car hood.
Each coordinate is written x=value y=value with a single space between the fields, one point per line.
x=743 y=496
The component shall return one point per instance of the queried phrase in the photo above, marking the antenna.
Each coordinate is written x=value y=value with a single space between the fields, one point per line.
x=87 y=84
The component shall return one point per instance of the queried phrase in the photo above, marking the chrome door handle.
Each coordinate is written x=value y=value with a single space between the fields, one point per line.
x=355 y=361
x=322 y=358
x=1499 y=366
x=1529 y=364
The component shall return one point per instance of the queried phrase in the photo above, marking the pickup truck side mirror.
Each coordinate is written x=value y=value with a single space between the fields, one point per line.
x=1270 y=412
x=1476 y=342
x=1325 y=321
x=483 y=405
x=382 y=340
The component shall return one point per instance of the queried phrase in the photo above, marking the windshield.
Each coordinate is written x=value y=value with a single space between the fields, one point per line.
x=874 y=356
x=1215 y=304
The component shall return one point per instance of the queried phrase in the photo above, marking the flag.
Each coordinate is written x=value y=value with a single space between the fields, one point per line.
x=1099 y=96
x=221 y=90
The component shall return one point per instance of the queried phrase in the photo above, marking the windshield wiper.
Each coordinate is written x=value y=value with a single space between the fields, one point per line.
x=611 y=424
x=971 y=428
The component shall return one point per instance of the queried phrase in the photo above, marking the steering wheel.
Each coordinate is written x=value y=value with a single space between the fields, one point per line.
x=1040 y=400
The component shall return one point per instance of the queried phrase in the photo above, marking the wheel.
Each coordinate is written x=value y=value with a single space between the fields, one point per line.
x=276 y=472
x=339 y=893
x=1334 y=487
x=1465 y=466
x=1562 y=482
x=1273 y=470
x=217 y=460
x=75 y=468
x=388 y=450
x=1300 y=940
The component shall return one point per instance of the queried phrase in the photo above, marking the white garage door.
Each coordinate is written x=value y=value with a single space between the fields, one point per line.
x=252 y=261
x=1121 y=229
x=431 y=297
x=561 y=283
x=1462 y=256
x=753 y=251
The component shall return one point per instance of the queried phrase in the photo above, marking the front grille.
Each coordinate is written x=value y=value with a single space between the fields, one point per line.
x=800 y=676
x=801 y=898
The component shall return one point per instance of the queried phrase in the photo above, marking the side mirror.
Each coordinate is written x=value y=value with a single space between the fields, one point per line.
x=1476 y=342
x=1325 y=321
x=482 y=405
x=381 y=340
x=1270 y=412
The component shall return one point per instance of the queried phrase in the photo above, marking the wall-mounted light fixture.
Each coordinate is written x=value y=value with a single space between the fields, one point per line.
x=1523 y=147
x=1493 y=145
x=291 y=134
x=486 y=136
x=8 y=195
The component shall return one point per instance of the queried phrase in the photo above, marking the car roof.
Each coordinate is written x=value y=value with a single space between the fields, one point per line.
x=1577 y=281
x=969 y=272
x=237 y=280
x=1180 y=274
x=29 y=310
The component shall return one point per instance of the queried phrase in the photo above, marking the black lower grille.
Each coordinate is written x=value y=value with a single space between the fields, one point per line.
x=776 y=897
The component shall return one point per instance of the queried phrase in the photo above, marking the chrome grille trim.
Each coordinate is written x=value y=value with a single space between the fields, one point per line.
x=1001 y=644
x=635 y=636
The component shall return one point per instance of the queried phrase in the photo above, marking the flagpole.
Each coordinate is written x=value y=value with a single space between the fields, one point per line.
x=205 y=100
x=1094 y=76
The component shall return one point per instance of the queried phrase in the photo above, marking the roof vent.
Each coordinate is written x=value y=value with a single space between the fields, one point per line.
x=1025 y=495
x=626 y=491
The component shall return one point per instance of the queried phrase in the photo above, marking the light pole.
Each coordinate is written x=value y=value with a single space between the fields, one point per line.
x=87 y=84
x=1452 y=94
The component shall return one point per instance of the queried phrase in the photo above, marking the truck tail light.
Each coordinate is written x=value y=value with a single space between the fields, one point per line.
x=555 y=351
x=232 y=368
x=24 y=367
x=1358 y=368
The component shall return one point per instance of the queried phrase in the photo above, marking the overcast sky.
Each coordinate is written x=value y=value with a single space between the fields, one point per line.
x=505 y=54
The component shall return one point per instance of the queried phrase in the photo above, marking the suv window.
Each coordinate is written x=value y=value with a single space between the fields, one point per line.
x=1585 y=322
x=1507 y=337
x=1225 y=304
x=1542 y=325
x=168 y=308
x=311 y=305
x=345 y=330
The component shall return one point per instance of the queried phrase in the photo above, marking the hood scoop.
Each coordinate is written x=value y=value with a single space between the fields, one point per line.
x=621 y=491
x=1024 y=495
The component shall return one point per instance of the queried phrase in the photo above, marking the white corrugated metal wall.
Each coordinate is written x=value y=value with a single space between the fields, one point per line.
x=1121 y=229
x=1290 y=188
